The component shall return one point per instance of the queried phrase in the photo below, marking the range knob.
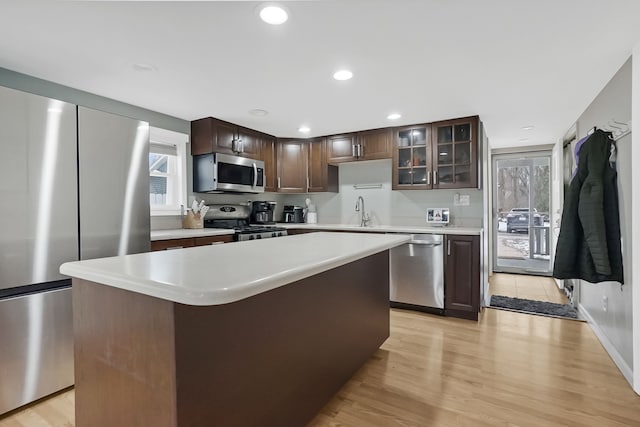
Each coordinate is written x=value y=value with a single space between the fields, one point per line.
x=251 y=237
x=259 y=236
x=274 y=235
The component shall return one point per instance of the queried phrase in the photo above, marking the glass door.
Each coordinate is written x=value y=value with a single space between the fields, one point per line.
x=521 y=206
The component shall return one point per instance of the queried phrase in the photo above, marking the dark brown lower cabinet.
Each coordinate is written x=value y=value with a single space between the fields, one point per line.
x=462 y=277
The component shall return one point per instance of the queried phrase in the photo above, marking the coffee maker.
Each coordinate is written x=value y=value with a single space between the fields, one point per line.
x=293 y=214
x=262 y=212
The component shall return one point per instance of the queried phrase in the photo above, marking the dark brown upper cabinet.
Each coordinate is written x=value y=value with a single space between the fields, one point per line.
x=322 y=176
x=455 y=153
x=436 y=155
x=209 y=135
x=303 y=168
x=412 y=158
x=270 y=158
x=341 y=148
x=366 y=145
x=292 y=166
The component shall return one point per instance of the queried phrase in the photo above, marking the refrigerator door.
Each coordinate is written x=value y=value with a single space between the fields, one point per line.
x=36 y=350
x=113 y=153
x=38 y=188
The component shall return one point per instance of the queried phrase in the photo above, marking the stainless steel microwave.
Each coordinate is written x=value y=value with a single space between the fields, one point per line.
x=217 y=172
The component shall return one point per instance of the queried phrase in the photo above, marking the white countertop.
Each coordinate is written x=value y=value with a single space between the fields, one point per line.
x=221 y=274
x=388 y=228
x=185 y=233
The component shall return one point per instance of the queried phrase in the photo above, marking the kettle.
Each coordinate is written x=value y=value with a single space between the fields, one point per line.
x=293 y=214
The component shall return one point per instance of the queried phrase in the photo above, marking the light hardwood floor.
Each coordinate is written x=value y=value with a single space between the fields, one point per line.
x=537 y=288
x=508 y=369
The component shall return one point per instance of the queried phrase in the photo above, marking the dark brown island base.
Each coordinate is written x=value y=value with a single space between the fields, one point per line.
x=272 y=359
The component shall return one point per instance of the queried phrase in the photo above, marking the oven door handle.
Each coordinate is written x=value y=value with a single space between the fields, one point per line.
x=255 y=175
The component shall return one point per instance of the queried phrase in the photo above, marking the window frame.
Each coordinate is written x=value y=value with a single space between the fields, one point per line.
x=179 y=140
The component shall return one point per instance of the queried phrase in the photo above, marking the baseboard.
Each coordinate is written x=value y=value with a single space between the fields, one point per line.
x=624 y=368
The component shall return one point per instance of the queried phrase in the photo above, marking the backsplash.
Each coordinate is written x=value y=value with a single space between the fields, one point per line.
x=386 y=207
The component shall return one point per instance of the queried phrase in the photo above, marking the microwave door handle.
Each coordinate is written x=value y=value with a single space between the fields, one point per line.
x=255 y=175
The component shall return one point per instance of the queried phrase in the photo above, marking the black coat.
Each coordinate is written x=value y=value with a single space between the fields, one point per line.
x=589 y=246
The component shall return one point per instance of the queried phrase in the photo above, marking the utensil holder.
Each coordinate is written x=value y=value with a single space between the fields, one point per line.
x=192 y=220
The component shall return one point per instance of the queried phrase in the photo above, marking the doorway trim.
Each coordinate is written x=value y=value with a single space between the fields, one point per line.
x=520 y=153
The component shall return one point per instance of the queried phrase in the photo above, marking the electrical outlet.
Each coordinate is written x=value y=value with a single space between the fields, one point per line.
x=460 y=199
x=605 y=303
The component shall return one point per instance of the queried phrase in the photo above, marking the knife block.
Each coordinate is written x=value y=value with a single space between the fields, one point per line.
x=192 y=220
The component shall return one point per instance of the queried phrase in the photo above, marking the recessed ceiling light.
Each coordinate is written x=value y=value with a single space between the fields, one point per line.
x=394 y=116
x=304 y=129
x=342 y=75
x=258 y=112
x=527 y=127
x=143 y=67
x=273 y=14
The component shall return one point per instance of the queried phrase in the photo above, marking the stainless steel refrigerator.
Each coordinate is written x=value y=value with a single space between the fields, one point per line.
x=73 y=185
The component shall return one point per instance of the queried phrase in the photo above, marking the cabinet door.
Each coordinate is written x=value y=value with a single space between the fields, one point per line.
x=462 y=277
x=340 y=148
x=209 y=135
x=249 y=143
x=455 y=153
x=375 y=144
x=412 y=158
x=269 y=156
x=292 y=166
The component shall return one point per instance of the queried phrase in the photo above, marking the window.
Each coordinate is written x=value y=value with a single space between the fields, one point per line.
x=167 y=168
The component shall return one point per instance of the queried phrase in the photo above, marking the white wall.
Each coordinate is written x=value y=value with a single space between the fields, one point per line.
x=634 y=265
x=614 y=325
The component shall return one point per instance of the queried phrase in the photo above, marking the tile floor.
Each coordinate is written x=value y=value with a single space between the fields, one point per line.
x=537 y=288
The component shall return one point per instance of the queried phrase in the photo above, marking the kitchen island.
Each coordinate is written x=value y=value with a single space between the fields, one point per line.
x=252 y=333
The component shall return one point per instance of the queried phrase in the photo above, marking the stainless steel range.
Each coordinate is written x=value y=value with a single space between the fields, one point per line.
x=237 y=217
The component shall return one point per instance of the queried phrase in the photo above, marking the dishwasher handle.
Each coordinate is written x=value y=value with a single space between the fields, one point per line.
x=423 y=243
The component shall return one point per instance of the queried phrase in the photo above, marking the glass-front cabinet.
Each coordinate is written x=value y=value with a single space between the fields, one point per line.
x=412 y=158
x=436 y=155
x=455 y=159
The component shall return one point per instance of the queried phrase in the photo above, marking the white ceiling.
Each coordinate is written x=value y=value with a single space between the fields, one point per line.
x=514 y=63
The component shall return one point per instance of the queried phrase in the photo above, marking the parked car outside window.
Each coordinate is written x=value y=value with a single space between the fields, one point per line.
x=518 y=219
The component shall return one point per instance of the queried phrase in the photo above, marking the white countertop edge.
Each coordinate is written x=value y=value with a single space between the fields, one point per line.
x=239 y=291
x=186 y=233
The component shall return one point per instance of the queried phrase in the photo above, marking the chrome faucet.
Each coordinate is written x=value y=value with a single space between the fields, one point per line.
x=364 y=217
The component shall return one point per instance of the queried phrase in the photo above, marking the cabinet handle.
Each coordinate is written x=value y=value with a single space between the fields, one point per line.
x=428 y=177
x=308 y=184
x=353 y=151
x=448 y=247
x=240 y=146
x=170 y=248
x=359 y=150
x=435 y=177
x=216 y=243
x=278 y=182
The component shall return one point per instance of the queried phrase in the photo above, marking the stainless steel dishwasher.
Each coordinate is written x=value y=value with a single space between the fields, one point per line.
x=417 y=274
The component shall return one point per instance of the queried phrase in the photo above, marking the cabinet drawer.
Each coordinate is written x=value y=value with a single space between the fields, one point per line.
x=212 y=240
x=161 y=245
